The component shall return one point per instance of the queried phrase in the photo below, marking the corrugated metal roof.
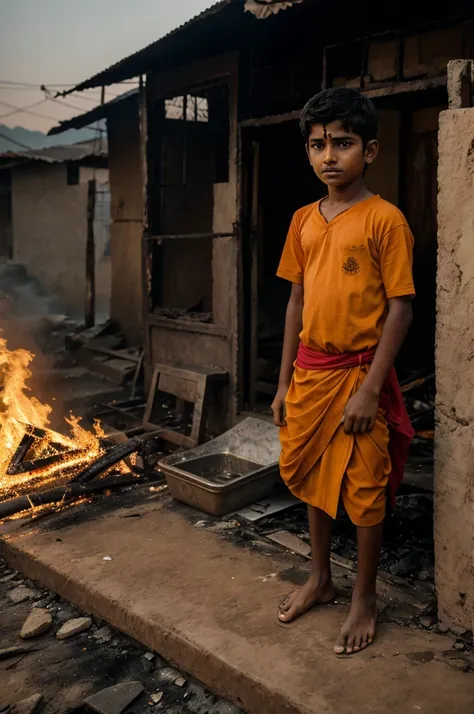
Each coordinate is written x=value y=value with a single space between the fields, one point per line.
x=265 y=8
x=53 y=154
x=136 y=63
x=93 y=115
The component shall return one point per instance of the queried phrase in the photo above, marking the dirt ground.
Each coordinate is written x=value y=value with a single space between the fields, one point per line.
x=66 y=672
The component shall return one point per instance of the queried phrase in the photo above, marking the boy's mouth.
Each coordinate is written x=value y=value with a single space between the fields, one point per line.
x=332 y=171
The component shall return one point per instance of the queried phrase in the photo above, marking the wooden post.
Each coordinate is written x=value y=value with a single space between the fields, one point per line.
x=90 y=256
x=146 y=248
x=254 y=232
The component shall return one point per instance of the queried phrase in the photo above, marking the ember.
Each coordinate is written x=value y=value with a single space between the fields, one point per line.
x=29 y=451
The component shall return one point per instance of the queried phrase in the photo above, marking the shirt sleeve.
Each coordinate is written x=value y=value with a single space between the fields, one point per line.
x=396 y=261
x=292 y=260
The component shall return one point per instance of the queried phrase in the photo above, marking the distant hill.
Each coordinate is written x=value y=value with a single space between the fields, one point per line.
x=38 y=140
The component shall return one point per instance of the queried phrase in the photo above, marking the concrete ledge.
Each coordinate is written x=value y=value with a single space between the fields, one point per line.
x=201 y=601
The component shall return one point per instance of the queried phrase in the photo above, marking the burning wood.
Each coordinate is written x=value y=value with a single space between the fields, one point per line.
x=29 y=450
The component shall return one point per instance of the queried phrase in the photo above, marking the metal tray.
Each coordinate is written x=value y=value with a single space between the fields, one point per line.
x=228 y=473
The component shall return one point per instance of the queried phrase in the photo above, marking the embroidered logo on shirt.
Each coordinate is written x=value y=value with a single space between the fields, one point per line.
x=351 y=266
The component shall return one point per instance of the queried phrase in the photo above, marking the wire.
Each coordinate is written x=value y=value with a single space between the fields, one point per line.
x=20 y=110
x=14 y=141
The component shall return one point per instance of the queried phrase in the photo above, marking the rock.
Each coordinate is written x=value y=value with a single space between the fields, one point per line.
x=225 y=708
x=156 y=697
x=74 y=627
x=103 y=635
x=424 y=575
x=180 y=682
x=7 y=578
x=149 y=656
x=114 y=700
x=37 y=623
x=21 y=594
x=168 y=675
x=427 y=621
x=459 y=646
x=28 y=706
x=460 y=664
x=443 y=628
x=458 y=631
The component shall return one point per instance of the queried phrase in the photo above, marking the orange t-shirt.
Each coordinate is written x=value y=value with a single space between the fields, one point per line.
x=349 y=267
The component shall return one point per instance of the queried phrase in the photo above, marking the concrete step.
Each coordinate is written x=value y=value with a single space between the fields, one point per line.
x=209 y=605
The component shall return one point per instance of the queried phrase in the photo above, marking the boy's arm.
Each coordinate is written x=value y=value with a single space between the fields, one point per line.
x=361 y=410
x=293 y=327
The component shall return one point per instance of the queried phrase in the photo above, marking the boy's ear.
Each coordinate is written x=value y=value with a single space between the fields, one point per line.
x=371 y=151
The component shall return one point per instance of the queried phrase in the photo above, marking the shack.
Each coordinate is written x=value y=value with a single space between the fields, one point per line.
x=43 y=220
x=224 y=168
x=126 y=206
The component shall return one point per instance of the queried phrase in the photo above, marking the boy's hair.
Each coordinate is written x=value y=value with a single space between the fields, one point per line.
x=353 y=109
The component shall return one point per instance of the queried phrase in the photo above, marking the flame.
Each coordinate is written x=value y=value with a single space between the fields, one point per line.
x=20 y=411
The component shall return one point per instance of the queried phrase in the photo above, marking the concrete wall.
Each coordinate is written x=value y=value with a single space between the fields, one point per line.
x=454 y=476
x=49 y=226
x=125 y=177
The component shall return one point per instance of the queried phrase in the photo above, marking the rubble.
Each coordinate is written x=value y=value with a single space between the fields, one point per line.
x=32 y=705
x=22 y=593
x=74 y=627
x=38 y=622
x=103 y=635
x=114 y=700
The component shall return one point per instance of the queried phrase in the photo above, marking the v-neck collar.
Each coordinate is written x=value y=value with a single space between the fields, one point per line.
x=342 y=213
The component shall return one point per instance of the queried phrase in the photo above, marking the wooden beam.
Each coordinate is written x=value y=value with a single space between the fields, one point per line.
x=191 y=236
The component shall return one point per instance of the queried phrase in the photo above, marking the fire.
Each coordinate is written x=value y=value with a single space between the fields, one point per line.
x=21 y=413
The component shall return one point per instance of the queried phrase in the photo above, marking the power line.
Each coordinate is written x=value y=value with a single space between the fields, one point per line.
x=20 y=110
x=14 y=141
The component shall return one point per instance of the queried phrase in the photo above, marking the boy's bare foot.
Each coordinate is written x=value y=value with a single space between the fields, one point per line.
x=359 y=629
x=316 y=591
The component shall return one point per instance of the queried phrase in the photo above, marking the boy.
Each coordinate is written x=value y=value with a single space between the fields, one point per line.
x=344 y=428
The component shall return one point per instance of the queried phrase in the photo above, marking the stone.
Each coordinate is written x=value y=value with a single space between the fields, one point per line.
x=28 y=706
x=427 y=621
x=7 y=578
x=149 y=656
x=103 y=635
x=443 y=628
x=114 y=700
x=74 y=627
x=225 y=708
x=180 y=682
x=459 y=646
x=458 y=631
x=156 y=697
x=21 y=594
x=168 y=675
x=37 y=623
x=424 y=575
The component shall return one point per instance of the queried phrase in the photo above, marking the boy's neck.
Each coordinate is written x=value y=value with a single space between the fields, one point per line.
x=353 y=193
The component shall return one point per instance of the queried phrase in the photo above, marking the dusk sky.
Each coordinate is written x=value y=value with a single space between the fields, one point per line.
x=55 y=42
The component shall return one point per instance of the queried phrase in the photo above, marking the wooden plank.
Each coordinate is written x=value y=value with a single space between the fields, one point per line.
x=201 y=404
x=190 y=236
x=151 y=396
x=184 y=325
x=185 y=389
x=145 y=248
x=191 y=372
x=116 y=354
x=168 y=435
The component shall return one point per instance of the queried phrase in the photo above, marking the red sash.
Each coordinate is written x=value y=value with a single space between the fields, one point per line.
x=391 y=401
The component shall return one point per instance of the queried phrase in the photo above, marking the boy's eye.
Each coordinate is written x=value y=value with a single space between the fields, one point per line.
x=318 y=146
x=344 y=144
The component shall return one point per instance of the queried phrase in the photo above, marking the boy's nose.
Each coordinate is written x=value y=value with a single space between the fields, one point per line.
x=329 y=157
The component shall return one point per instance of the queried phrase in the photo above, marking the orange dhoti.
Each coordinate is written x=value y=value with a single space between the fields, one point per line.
x=320 y=463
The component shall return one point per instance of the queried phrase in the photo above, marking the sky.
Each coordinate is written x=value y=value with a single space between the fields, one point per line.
x=62 y=42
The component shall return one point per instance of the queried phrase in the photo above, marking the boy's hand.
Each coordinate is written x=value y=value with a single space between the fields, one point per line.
x=361 y=412
x=278 y=407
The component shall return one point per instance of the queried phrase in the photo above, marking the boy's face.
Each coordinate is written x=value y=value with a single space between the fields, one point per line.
x=337 y=156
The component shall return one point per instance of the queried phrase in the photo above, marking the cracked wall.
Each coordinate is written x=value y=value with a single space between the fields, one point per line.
x=454 y=474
